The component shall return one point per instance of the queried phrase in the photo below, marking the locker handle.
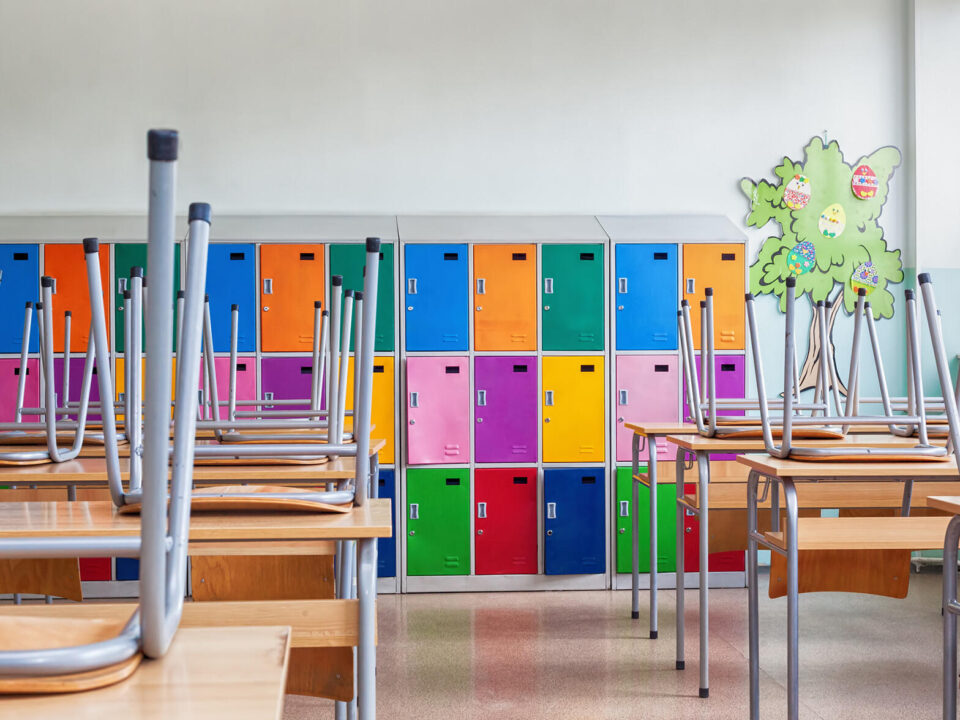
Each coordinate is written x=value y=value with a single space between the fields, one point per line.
x=268 y=396
x=54 y=288
x=551 y=511
x=623 y=399
x=481 y=510
x=414 y=399
x=121 y=284
x=548 y=286
x=624 y=508
x=621 y=285
x=268 y=286
x=481 y=286
x=691 y=286
x=414 y=511
x=548 y=397
x=411 y=286
x=481 y=397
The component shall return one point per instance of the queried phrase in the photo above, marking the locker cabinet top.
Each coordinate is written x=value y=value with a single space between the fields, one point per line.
x=671 y=228
x=499 y=228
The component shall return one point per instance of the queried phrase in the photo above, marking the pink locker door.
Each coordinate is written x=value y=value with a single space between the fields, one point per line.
x=9 y=379
x=246 y=381
x=438 y=411
x=647 y=387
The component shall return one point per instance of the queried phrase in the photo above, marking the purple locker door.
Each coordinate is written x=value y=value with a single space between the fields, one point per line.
x=246 y=381
x=647 y=388
x=76 y=381
x=731 y=383
x=506 y=409
x=9 y=379
x=438 y=410
x=288 y=378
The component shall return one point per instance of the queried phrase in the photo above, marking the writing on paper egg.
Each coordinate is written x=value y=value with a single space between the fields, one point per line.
x=797 y=193
x=801 y=258
x=866 y=277
x=833 y=221
x=864 y=182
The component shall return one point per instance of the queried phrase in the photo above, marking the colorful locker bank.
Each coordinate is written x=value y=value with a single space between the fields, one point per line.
x=10 y=380
x=646 y=296
x=573 y=521
x=438 y=410
x=387 y=547
x=505 y=518
x=505 y=427
x=730 y=377
x=573 y=417
x=66 y=265
x=505 y=297
x=291 y=280
x=666 y=525
x=647 y=387
x=572 y=297
x=438 y=521
x=19 y=284
x=287 y=378
x=383 y=410
x=125 y=257
x=437 y=298
x=232 y=280
x=719 y=266
x=347 y=260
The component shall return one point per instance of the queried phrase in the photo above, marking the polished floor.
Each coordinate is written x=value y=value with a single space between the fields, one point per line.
x=578 y=655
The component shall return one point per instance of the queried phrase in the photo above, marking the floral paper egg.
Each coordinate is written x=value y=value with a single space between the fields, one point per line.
x=801 y=258
x=864 y=182
x=866 y=277
x=833 y=220
x=797 y=193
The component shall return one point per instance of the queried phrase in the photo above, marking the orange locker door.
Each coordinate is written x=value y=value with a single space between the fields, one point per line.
x=505 y=297
x=67 y=265
x=720 y=267
x=291 y=280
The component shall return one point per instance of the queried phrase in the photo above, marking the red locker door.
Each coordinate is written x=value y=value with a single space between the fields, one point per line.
x=505 y=515
x=733 y=561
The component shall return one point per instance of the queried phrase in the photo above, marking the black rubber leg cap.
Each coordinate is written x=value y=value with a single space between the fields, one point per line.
x=635 y=615
x=653 y=634
x=704 y=692
x=681 y=665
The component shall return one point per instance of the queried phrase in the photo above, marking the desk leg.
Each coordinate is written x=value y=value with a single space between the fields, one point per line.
x=652 y=472
x=703 y=470
x=753 y=596
x=346 y=562
x=635 y=558
x=681 y=561
x=793 y=602
x=367 y=635
x=950 y=609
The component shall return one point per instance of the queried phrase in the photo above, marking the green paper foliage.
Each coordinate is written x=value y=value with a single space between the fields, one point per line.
x=836 y=258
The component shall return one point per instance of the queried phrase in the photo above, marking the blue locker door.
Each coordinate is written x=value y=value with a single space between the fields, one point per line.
x=647 y=298
x=19 y=282
x=231 y=280
x=387 y=547
x=573 y=521
x=436 y=296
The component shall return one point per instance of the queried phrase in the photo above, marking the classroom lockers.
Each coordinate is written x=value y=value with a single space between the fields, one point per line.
x=246 y=381
x=646 y=296
x=730 y=561
x=437 y=297
x=730 y=377
x=438 y=410
x=76 y=383
x=666 y=524
x=19 y=284
x=505 y=412
x=125 y=257
x=573 y=521
x=571 y=304
x=505 y=521
x=291 y=280
x=66 y=264
x=348 y=260
x=720 y=267
x=231 y=280
x=573 y=419
x=438 y=521
x=646 y=390
x=387 y=547
x=505 y=297
x=9 y=380
x=383 y=408
x=287 y=378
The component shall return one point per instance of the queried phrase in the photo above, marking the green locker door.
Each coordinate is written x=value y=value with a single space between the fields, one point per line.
x=571 y=309
x=126 y=256
x=666 y=525
x=347 y=260
x=438 y=521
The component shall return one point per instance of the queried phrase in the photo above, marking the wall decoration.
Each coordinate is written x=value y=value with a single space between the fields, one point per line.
x=802 y=258
x=854 y=253
x=797 y=193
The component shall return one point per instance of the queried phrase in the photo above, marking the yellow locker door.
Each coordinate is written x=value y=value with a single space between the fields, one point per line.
x=382 y=415
x=119 y=380
x=720 y=267
x=505 y=297
x=573 y=427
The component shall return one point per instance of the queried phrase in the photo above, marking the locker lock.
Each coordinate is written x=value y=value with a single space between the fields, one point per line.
x=622 y=531
x=480 y=531
x=549 y=532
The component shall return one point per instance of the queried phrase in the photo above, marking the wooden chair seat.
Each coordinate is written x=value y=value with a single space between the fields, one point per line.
x=316 y=460
x=212 y=499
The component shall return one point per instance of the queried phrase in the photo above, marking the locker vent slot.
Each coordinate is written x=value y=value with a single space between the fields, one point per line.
x=661 y=368
x=237 y=256
x=727 y=367
x=728 y=256
x=306 y=370
x=241 y=367
x=586 y=256
x=452 y=370
x=21 y=256
x=588 y=480
x=520 y=481
x=383 y=482
x=519 y=368
x=453 y=481
x=16 y=371
x=451 y=256
x=586 y=368
x=519 y=256
x=306 y=256
x=94 y=370
x=381 y=256
x=378 y=368
x=659 y=256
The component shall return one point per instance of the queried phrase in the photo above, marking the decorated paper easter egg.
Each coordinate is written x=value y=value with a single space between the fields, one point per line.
x=866 y=277
x=797 y=193
x=801 y=258
x=833 y=220
x=864 y=182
